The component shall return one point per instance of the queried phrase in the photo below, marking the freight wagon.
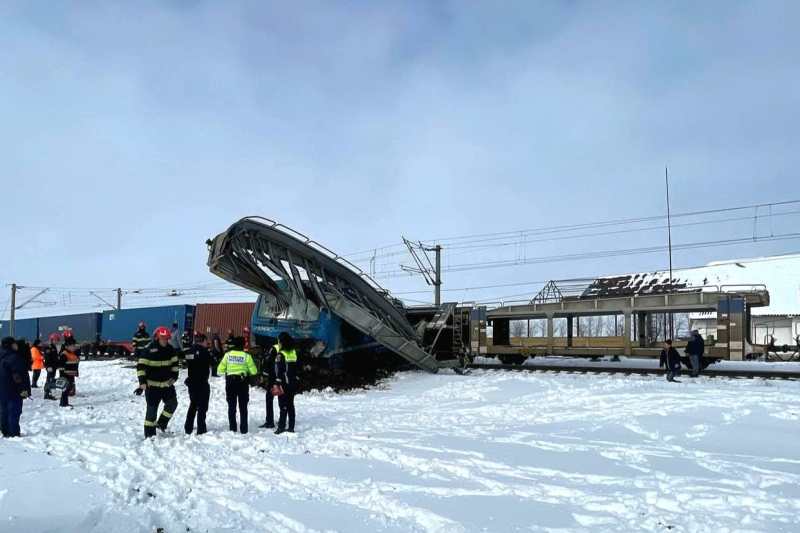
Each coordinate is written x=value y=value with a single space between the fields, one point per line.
x=85 y=327
x=119 y=325
x=218 y=319
x=27 y=328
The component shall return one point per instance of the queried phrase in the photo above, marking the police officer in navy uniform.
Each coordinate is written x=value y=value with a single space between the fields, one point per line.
x=268 y=380
x=238 y=368
x=198 y=363
x=286 y=378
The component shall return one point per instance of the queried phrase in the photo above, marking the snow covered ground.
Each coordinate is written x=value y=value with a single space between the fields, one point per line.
x=493 y=451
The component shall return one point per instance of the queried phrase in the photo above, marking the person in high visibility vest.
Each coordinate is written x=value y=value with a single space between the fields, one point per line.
x=238 y=367
x=38 y=362
x=157 y=371
x=286 y=380
x=70 y=359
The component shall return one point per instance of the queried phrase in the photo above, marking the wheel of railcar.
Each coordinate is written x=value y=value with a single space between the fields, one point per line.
x=707 y=361
x=512 y=359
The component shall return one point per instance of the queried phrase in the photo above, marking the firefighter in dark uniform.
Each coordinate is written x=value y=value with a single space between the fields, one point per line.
x=268 y=380
x=238 y=367
x=286 y=378
x=140 y=341
x=157 y=370
x=198 y=363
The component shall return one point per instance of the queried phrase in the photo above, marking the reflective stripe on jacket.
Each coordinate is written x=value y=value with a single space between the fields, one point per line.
x=158 y=366
x=71 y=360
x=237 y=363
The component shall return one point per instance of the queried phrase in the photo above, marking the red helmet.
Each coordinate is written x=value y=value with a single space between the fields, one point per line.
x=54 y=337
x=161 y=331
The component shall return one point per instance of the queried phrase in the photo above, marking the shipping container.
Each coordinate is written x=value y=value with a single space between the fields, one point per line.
x=26 y=328
x=219 y=318
x=85 y=327
x=120 y=325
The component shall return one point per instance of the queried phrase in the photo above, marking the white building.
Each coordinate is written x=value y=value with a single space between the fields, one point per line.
x=781 y=276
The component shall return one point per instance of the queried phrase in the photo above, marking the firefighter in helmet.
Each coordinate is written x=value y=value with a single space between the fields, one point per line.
x=157 y=371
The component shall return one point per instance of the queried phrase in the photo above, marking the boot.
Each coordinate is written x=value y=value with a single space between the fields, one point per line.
x=267 y=425
x=280 y=430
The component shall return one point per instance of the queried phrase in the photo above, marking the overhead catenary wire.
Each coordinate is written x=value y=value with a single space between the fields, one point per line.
x=599 y=254
x=574 y=227
x=75 y=297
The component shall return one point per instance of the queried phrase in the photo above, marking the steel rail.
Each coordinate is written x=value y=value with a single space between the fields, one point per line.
x=585 y=369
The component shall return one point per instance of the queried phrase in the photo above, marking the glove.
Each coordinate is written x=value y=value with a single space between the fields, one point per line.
x=139 y=391
x=24 y=394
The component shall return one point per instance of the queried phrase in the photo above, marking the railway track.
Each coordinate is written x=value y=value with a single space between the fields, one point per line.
x=586 y=369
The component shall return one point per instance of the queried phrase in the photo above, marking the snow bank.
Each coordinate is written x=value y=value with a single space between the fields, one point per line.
x=493 y=451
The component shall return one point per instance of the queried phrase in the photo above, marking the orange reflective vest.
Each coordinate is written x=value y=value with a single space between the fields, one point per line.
x=38 y=360
x=71 y=361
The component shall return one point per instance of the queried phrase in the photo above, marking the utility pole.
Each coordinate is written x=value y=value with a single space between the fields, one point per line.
x=438 y=279
x=119 y=299
x=669 y=246
x=431 y=270
x=13 y=309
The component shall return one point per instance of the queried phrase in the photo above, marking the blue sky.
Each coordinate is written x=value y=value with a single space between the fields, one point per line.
x=131 y=132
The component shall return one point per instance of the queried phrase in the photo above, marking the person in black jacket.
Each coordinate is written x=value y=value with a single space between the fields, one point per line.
x=157 y=371
x=671 y=360
x=230 y=342
x=286 y=379
x=15 y=386
x=217 y=351
x=69 y=361
x=268 y=380
x=198 y=363
x=51 y=364
x=695 y=349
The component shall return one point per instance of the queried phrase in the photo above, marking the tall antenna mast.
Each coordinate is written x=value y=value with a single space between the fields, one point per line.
x=669 y=246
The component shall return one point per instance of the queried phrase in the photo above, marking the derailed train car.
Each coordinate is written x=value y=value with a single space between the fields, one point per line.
x=336 y=309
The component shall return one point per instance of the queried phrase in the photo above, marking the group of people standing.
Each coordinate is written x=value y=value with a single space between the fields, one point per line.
x=17 y=358
x=671 y=359
x=158 y=366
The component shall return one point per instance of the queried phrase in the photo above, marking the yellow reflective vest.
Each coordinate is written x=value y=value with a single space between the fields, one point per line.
x=290 y=356
x=237 y=363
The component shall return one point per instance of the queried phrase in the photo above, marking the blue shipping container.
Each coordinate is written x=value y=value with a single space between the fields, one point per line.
x=85 y=327
x=27 y=328
x=120 y=325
